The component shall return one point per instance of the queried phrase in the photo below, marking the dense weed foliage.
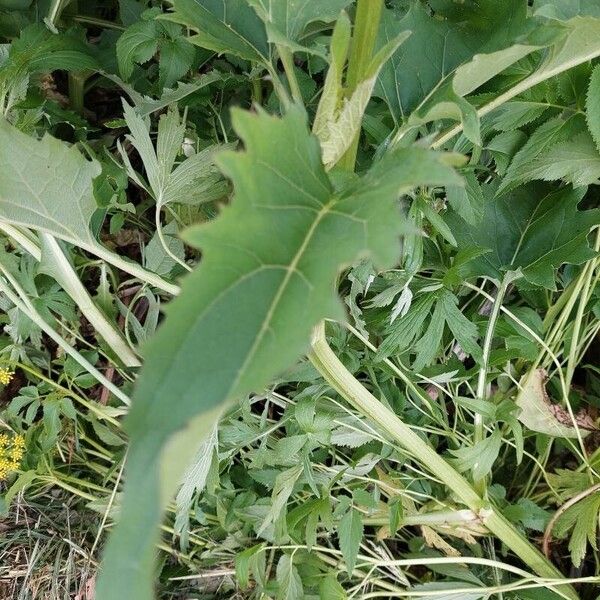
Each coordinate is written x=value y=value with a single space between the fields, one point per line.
x=299 y=299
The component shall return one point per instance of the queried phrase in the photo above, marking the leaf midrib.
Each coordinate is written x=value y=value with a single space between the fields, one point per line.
x=290 y=269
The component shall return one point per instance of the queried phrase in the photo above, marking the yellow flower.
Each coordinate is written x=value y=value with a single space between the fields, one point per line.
x=15 y=454
x=6 y=376
x=11 y=454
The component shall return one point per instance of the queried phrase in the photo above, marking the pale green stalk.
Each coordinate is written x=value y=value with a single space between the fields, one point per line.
x=482 y=387
x=23 y=239
x=163 y=242
x=288 y=65
x=366 y=26
x=132 y=268
x=67 y=278
x=70 y=282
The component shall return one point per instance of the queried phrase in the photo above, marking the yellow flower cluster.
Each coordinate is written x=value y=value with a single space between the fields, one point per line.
x=11 y=454
x=5 y=376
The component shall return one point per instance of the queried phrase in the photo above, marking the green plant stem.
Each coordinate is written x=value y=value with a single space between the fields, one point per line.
x=163 y=241
x=366 y=26
x=481 y=393
x=288 y=66
x=77 y=80
x=68 y=279
x=130 y=267
x=23 y=239
x=521 y=87
x=336 y=374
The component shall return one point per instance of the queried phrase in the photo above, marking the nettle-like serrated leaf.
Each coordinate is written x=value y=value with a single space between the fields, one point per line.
x=142 y=40
x=246 y=313
x=137 y=44
x=575 y=161
x=224 y=26
x=515 y=114
x=540 y=231
x=38 y=49
x=543 y=139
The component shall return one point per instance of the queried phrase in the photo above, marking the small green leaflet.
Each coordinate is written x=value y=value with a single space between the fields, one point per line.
x=403 y=332
x=540 y=232
x=193 y=181
x=583 y=518
x=282 y=490
x=350 y=533
x=247 y=312
x=479 y=458
x=288 y=578
x=225 y=26
x=446 y=312
x=247 y=562
x=330 y=589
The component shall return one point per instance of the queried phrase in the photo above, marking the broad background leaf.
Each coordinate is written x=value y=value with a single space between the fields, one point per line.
x=32 y=187
x=224 y=26
x=540 y=231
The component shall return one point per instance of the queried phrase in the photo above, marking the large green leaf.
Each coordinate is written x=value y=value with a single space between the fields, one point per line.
x=224 y=26
x=33 y=192
x=566 y=9
x=286 y=20
x=442 y=42
x=267 y=277
x=529 y=230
